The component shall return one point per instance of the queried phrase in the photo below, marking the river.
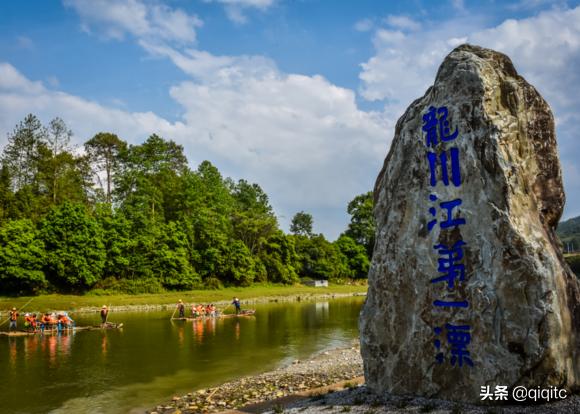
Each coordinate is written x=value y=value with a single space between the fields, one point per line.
x=152 y=358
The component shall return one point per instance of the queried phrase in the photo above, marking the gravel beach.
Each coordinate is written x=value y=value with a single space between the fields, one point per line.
x=322 y=370
x=328 y=383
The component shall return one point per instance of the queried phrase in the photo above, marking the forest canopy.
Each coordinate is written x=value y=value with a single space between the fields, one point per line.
x=115 y=217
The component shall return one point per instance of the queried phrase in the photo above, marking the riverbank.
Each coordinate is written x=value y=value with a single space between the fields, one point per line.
x=165 y=301
x=329 y=383
x=295 y=380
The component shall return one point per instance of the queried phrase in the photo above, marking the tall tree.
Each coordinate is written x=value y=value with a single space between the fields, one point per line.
x=362 y=226
x=301 y=224
x=22 y=151
x=149 y=175
x=59 y=136
x=104 y=150
x=6 y=194
x=253 y=218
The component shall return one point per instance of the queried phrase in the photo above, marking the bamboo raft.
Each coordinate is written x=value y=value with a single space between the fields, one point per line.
x=243 y=314
x=54 y=330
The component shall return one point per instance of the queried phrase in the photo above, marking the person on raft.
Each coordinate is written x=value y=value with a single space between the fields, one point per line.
x=104 y=314
x=45 y=322
x=64 y=321
x=13 y=319
x=28 y=322
x=238 y=306
x=181 y=308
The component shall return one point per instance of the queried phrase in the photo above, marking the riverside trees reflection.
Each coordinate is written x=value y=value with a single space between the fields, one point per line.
x=152 y=359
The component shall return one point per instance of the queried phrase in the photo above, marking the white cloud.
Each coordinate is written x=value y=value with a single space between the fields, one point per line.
x=364 y=25
x=13 y=81
x=544 y=48
x=402 y=22
x=20 y=96
x=301 y=138
x=458 y=5
x=153 y=21
x=235 y=8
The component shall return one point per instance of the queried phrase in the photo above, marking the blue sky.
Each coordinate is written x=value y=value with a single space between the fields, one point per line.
x=298 y=96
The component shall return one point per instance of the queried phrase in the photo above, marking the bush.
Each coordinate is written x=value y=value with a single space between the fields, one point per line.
x=212 y=282
x=111 y=286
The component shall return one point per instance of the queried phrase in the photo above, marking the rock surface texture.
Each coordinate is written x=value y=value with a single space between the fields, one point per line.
x=510 y=307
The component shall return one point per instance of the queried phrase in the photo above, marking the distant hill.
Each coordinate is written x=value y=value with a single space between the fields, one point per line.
x=569 y=233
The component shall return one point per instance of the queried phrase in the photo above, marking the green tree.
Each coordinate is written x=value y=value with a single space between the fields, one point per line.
x=22 y=258
x=239 y=267
x=355 y=255
x=74 y=246
x=6 y=194
x=279 y=258
x=362 y=226
x=58 y=143
x=320 y=259
x=150 y=176
x=253 y=219
x=301 y=224
x=21 y=153
x=105 y=151
x=117 y=240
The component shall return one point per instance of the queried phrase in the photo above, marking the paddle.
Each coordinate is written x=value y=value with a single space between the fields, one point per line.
x=224 y=309
x=19 y=310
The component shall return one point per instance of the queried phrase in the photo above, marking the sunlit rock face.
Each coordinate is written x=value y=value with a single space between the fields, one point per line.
x=468 y=286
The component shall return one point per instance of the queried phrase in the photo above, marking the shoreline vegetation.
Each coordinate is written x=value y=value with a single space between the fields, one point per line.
x=168 y=300
x=135 y=219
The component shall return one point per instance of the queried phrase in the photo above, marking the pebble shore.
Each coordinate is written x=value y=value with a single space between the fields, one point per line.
x=329 y=383
x=359 y=400
x=324 y=369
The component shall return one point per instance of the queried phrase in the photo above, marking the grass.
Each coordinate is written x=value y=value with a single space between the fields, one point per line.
x=75 y=302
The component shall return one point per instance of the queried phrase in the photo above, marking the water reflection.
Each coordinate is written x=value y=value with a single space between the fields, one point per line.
x=64 y=343
x=181 y=335
x=198 y=330
x=13 y=352
x=154 y=359
x=104 y=344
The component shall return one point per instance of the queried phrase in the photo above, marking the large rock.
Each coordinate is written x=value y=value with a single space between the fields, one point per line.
x=516 y=316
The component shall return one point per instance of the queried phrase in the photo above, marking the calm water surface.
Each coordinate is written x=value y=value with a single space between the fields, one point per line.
x=152 y=358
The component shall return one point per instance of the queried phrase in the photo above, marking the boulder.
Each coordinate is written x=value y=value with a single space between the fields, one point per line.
x=468 y=287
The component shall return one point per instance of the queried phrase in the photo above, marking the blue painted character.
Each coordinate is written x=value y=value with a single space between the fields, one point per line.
x=449 y=264
x=455 y=170
x=436 y=119
x=449 y=206
x=458 y=337
x=451 y=303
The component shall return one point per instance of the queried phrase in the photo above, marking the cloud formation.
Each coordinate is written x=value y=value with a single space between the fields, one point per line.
x=117 y=18
x=235 y=8
x=302 y=138
x=544 y=48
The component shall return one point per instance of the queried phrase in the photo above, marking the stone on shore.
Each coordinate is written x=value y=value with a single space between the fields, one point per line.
x=511 y=302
